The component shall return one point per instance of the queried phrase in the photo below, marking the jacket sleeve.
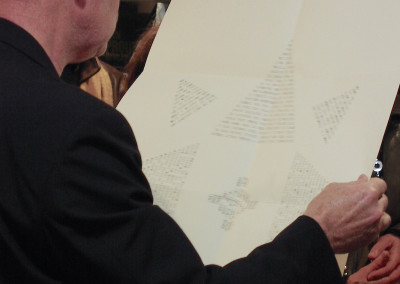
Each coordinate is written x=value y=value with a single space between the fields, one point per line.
x=104 y=228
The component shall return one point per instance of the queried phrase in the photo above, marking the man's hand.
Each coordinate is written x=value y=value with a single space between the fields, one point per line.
x=360 y=277
x=391 y=270
x=385 y=266
x=351 y=214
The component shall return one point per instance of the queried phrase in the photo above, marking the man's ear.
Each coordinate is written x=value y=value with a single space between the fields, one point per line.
x=80 y=3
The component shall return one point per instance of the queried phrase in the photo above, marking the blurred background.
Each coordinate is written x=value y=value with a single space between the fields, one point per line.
x=135 y=16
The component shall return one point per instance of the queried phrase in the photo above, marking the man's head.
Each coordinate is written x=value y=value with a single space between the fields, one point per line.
x=93 y=25
x=70 y=31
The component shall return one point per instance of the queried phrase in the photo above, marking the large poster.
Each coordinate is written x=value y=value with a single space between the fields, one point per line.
x=247 y=109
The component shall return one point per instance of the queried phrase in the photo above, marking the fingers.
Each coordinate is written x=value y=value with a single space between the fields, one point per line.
x=361 y=275
x=384 y=222
x=391 y=244
x=380 y=261
x=384 y=243
x=363 y=178
x=393 y=278
x=385 y=271
x=378 y=185
x=383 y=202
x=351 y=214
x=385 y=219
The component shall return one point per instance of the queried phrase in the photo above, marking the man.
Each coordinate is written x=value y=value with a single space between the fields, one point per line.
x=75 y=206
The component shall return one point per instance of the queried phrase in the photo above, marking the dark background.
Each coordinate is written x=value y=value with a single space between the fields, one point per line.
x=134 y=17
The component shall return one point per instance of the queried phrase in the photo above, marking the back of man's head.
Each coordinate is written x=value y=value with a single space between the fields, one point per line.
x=70 y=31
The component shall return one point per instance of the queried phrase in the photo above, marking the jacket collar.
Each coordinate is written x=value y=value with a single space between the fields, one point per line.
x=21 y=40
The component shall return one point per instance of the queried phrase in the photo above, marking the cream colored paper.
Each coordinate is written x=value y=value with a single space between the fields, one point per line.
x=247 y=109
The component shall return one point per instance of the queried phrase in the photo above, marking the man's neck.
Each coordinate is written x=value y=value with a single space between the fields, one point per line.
x=43 y=26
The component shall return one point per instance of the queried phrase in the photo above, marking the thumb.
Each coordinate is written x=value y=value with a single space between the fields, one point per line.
x=378 y=248
x=362 y=178
x=375 y=251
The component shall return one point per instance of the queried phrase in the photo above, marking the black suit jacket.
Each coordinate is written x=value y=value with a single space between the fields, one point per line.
x=75 y=206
